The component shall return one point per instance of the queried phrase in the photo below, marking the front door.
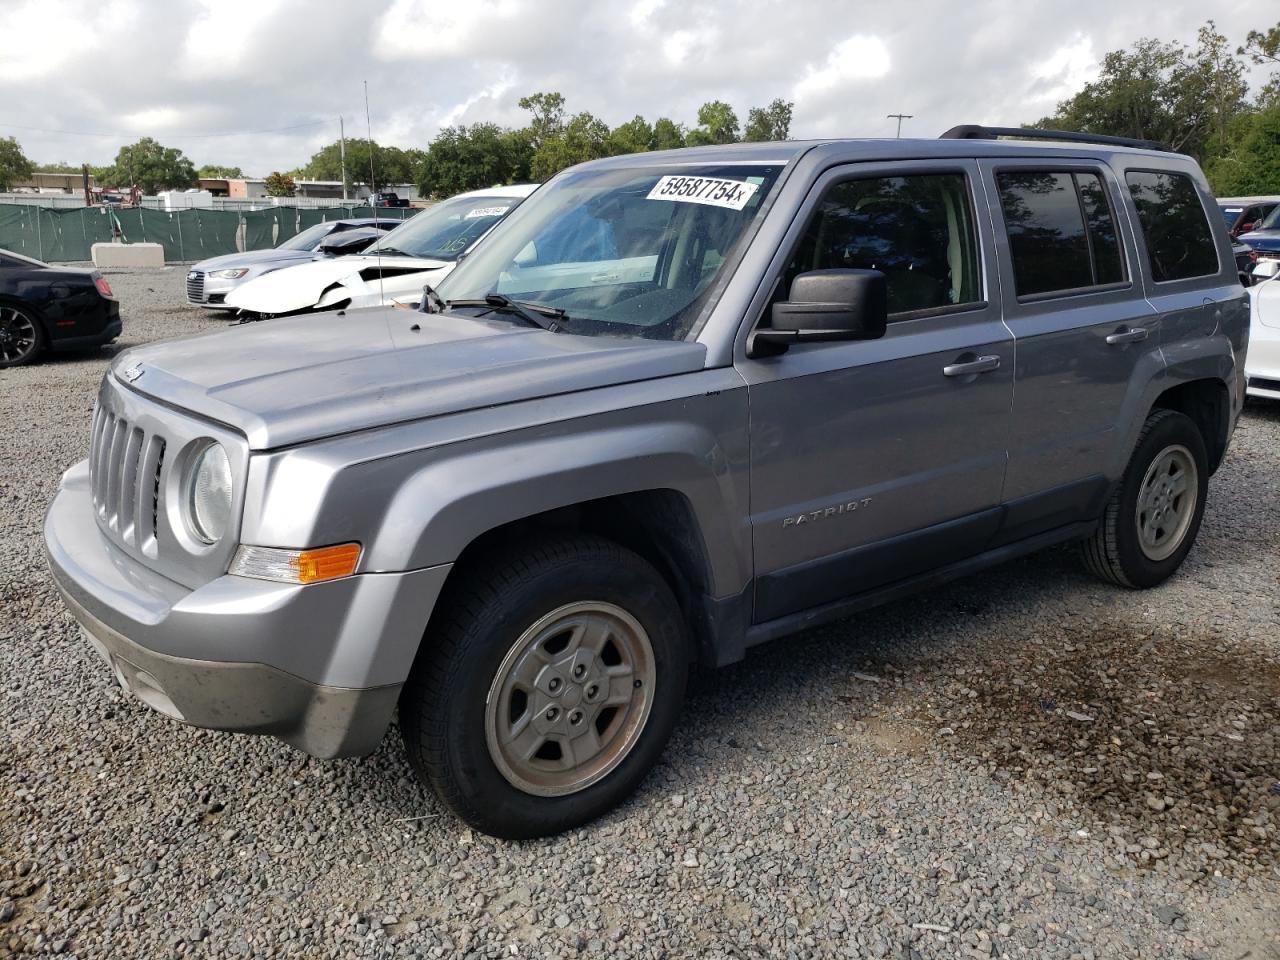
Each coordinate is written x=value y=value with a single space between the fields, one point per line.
x=874 y=461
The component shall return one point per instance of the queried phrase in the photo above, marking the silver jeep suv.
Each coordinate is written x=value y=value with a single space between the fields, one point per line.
x=678 y=404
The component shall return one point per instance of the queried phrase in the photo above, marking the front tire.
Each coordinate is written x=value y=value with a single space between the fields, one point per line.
x=547 y=686
x=1151 y=521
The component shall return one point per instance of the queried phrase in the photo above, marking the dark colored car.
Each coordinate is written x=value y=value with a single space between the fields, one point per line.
x=52 y=308
x=1244 y=214
x=389 y=200
x=1264 y=240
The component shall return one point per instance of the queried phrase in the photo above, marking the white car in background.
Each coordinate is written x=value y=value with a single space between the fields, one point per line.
x=423 y=250
x=1262 y=363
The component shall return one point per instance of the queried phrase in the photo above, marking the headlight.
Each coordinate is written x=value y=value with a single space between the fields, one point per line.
x=229 y=274
x=209 y=493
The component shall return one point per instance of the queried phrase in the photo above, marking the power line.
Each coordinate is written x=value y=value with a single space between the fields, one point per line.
x=167 y=136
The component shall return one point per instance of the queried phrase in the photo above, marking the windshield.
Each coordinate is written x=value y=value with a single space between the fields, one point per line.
x=445 y=231
x=1271 y=221
x=623 y=252
x=308 y=239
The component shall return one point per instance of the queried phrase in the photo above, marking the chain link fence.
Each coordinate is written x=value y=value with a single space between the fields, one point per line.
x=51 y=234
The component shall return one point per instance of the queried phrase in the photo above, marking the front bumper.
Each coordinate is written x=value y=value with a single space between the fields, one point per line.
x=320 y=666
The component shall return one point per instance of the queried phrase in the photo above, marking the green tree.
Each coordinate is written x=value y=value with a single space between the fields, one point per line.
x=667 y=134
x=150 y=166
x=585 y=137
x=214 y=171
x=60 y=167
x=1250 y=159
x=1161 y=91
x=769 y=123
x=634 y=136
x=280 y=184
x=470 y=158
x=390 y=164
x=548 y=116
x=717 y=123
x=1263 y=48
x=14 y=164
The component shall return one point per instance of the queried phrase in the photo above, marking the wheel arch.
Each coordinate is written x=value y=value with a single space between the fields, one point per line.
x=1207 y=402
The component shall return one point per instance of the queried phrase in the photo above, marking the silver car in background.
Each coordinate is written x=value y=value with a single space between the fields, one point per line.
x=209 y=281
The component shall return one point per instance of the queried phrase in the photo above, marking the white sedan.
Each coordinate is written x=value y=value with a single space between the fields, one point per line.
x=423 y=250
x=1262 y=364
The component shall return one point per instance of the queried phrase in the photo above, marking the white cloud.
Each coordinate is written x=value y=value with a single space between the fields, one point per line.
x=224 y=32
x=1064 y=71
x=38 y=44
x=860 y=57
x=426 y=28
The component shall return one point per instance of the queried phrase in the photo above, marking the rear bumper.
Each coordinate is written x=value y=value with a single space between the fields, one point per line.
x=320 y=667
x=103 y=325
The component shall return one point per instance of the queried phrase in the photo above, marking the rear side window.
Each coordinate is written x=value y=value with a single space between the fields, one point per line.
x=917 y=230
x=1062 y=232
x=1179 y=242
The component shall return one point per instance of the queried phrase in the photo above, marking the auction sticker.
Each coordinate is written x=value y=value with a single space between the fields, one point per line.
x=485 y=212
x=713 y=191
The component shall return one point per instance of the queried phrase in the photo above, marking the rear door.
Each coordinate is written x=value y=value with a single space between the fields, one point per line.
x=873 y=461
x=1086 y=338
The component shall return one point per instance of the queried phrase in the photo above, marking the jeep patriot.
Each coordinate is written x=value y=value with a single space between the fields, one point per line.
x=677 y=405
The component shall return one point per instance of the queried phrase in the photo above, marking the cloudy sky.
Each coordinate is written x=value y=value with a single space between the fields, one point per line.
x=260 y=83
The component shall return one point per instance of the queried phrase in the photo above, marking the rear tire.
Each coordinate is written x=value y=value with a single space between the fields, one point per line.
x=1151 y=521
x=22 y=337
x=546 y=687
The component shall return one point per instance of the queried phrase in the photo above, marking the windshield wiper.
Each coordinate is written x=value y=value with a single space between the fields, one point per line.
x=534 y=314
x=387 y=251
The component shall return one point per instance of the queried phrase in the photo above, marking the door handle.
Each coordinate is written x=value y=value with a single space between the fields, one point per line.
x=967 y=367
x=1127 y=336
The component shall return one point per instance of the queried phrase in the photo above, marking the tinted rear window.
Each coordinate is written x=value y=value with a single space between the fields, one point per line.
x=1062 y=235
x=1179 y=242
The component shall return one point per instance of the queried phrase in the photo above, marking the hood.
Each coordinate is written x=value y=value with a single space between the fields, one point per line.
x=251 y=258
x=294 y=379
x=1261 y=239
x=302 y=287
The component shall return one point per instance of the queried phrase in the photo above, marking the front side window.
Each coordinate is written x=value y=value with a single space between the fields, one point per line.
x=1062 y=234
x=446 y=230
x=917 y=230
x=633 y=251
x=1179 y=242
x=1231 y=215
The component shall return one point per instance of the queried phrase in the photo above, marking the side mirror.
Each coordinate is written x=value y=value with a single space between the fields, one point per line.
x=825 y=305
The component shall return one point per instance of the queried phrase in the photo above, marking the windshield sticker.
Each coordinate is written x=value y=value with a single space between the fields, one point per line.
x=485 y=212
x=713 y=191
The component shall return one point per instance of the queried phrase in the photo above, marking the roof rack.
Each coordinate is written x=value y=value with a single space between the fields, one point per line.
x=974 y=131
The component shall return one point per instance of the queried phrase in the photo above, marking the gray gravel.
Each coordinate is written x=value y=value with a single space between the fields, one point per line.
x=1024 y=764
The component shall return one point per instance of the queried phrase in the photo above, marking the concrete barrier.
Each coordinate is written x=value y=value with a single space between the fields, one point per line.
x=127 y=255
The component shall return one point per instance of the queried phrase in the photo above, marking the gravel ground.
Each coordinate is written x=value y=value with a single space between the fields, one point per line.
x=1024 y=764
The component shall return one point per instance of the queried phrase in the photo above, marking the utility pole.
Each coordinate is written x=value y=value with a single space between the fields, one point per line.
x=900 y=117
x=342 y=153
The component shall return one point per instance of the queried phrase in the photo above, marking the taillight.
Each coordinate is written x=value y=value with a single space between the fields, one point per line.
x=104 y=288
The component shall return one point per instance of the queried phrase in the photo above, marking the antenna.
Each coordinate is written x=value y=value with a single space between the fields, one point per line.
x=901 y=117
x=373 y=190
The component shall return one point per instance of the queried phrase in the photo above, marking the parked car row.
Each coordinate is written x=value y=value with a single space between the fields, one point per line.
x=1254 y=226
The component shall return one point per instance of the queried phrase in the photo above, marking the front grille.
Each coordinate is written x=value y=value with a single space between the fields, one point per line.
x=124 y=474
x=195 y=286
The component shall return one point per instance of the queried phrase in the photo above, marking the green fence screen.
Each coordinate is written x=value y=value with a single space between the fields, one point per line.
x=186 y=235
